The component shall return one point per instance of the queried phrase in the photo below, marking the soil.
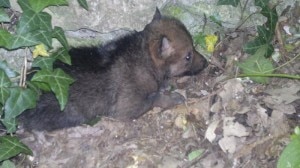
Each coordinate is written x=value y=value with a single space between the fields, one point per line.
x=225 y=122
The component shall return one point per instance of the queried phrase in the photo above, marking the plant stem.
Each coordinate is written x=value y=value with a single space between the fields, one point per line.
x=271 y=75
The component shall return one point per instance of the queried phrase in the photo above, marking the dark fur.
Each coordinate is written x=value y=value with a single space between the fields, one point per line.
x=122 y=78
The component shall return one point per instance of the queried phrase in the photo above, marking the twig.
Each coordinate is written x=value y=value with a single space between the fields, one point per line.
x=205 y=22
x=286 y=63
x=243 y=8
x=22 y=82
x=244 y=21
x=279 y=39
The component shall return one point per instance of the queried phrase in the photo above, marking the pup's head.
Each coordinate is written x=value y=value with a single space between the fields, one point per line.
x=171 y=47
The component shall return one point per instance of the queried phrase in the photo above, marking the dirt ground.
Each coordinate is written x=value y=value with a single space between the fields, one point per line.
x=234 y=122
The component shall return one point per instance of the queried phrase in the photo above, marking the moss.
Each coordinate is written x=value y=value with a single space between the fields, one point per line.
x=174 y=11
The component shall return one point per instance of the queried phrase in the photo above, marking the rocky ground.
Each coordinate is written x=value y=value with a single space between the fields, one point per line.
x=232 y=122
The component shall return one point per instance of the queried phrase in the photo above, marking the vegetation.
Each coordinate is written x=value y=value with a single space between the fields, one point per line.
x=33 y=33
x=259 y=67
x=290 y=155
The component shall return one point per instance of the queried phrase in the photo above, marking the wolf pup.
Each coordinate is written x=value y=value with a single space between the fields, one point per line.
x=121 y=79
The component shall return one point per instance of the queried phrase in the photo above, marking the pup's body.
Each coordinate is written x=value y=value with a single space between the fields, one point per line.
x=122 y=78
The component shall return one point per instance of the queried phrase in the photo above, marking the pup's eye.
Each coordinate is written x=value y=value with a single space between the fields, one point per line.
x=188 y=56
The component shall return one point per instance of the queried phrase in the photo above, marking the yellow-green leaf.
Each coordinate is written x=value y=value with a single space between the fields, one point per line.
x=40 y=50
x=194 y=154
x=210 y=41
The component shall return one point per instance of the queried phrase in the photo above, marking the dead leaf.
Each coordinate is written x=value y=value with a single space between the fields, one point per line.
x=216 y=107
x=213 y=160
x=278 y=123
x=232 y=90
x=228 y=144
x=263 y=116
x=232 y=128
x=181 y=121
x=210 y=134
x=285 y=95
x=231 y=100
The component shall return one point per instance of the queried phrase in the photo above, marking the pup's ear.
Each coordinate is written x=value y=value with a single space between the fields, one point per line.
x=157 y=15
x=166 y=48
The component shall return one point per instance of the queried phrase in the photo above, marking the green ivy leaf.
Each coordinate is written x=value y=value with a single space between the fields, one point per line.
x=229 y=2
x=264 y=38
x=59 y=34
x=24 y=4
x=10 y=125
x=26 y=40
x=43 y=62
x=265 y=34
x=261 y=3
x=4 y=84
x=194 y=154
x=63 y=55
x=3 y=16
x=58 y=81
x=83 y=4
x=5 y=3
x=5 y=38
x=44 y=37
x=200 y=40
x=257 y=64
x=11 y=146
x=37 y=24
x=31 y=21
x=34 y=87
x=1 y=111
x=272 y=17
x=270 y=50
x=20 y=99
x=39 y=5
x=29 y=39
x=11 y=42
x=252 y=46
x=7 y=164
x=40 y=85
x=290 y=155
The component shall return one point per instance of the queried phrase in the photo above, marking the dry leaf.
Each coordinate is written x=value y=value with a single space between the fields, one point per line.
x=210 y=134
x=232 y=128
x=228 y=144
